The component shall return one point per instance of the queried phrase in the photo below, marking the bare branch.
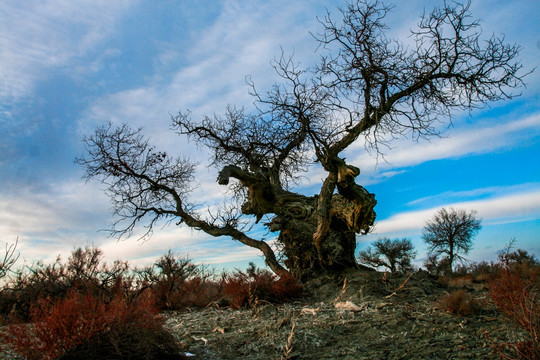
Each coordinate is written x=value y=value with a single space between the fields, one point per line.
x=9 y=258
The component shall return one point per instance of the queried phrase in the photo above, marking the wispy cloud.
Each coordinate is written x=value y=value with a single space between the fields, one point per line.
x=508 y=208
x=458 y=143
x=37 y=36
x=492 y=191
x=241 y=42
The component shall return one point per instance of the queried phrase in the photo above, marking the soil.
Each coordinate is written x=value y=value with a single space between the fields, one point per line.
x=365 y=319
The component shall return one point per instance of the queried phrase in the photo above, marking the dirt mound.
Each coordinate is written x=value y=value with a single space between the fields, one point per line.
x=358 y=315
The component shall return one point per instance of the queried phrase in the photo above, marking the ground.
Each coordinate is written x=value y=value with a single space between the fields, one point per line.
x=372 y=323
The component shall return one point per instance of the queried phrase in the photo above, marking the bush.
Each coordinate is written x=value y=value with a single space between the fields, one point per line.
x=83 y=271
x=515 y=291
x=255 y=285
x=177 y=282
x=459 y=302
x=84 y=326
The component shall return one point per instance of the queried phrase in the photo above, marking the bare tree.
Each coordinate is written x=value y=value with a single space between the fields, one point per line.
x=450 y=234
x=366 y=86
x=392 y=254
x=9 y=258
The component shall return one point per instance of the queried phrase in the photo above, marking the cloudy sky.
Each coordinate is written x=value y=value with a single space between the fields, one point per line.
x=67 y=66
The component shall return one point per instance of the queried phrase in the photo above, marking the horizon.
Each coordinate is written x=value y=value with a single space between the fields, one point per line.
x=70 y=66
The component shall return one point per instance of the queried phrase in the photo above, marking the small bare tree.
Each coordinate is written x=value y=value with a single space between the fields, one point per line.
x=396 y=255
x=9 y=258
x=450 y=234
x=366 y=86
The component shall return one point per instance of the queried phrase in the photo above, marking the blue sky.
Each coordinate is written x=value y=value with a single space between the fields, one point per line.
x=69 y=66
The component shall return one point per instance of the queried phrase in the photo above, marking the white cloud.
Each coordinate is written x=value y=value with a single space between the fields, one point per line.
x=241 y=42
x=461 y=142
x=510 y=208
x=68 y=215
x=37 y=36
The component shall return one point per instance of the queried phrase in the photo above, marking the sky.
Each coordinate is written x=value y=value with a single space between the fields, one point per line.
x=68 y=66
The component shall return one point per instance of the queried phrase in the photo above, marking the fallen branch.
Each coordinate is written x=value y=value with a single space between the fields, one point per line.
x=399 y=287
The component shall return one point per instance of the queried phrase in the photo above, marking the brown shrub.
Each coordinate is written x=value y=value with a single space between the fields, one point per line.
x=457 y=281
x=515 y=291
x=237 y=289
x=82 y=325
x=286 y=288
x=255 y=285
x=459 y=302
x=84 y=271
x=199 y=292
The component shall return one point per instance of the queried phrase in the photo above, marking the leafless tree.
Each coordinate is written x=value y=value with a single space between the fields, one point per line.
x=450 y=234
x=365 y=87
x=9 y=258
x=396 y=255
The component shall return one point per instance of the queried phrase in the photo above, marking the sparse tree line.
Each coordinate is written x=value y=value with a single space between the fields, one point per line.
x=448 y=236
x=176 y=282
x=117 y=305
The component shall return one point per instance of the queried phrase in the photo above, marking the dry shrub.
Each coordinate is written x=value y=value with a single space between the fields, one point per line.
x=199 y=292
x=237 y=289
x=457 y=281
x=287 y=288
x=515 y=291
x=84 y=271
x=459 y=302
x=83 y=326
x=247 y=288
x=178 y=283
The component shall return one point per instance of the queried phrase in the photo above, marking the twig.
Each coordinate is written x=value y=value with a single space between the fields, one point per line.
x=399 y=287
x=343 y=291
x=289 y=347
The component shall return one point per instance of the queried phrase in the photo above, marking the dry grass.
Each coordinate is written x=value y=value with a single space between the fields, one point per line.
x=459 y=302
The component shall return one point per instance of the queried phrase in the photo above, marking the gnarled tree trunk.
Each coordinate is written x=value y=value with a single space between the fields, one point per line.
x=310 y=244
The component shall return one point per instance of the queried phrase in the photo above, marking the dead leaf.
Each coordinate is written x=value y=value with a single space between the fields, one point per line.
x=309 y=311
x=200 y=339
x=219 y=330
x=381 y=305
x=348 y=305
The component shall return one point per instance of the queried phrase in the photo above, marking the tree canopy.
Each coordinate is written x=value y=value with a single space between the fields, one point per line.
x=365 y=86
x=393 y=254
x=450 y=234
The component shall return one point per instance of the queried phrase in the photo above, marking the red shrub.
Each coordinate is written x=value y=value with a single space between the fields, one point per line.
x=515 y=291
x=200 y=292
x=236 y=289
x=58 y=327
x=287 y=287
x=259 y=285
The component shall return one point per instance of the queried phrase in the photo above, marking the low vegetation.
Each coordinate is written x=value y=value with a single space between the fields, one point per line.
x=86 y=308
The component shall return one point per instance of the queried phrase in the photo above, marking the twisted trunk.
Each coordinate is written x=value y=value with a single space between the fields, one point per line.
x=318 y=233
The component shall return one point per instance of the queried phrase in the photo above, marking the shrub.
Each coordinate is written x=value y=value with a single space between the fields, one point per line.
x=436 y=266
x=515 y=291
x=83 y=271
x=200 y=292
x=169 y=278
x=459 y=302
x=286 y=288
x=254 y=285
x=9 y=259
x=84 y=326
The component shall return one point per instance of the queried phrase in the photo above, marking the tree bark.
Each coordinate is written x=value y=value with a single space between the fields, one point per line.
x=317 y=234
